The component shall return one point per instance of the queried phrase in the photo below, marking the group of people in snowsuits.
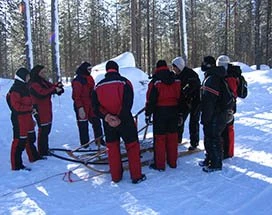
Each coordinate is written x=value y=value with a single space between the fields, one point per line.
x=172 y=96
x=31 y=95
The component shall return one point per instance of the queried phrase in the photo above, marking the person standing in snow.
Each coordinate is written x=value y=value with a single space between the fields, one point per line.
x=191 y=93
x=162 y=101
x=24 y=137
x=233 y=72
x=112 y=101
x=213 y=118
x=41 y=91
x=82 y=88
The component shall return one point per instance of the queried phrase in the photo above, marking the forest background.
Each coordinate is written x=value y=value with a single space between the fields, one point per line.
x=96 y=30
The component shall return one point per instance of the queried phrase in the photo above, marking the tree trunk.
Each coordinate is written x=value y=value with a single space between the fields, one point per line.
x=148 y=38
x=153 y=43
x=133 y=28
x=257 y=34
x=226 y=27
x=268 y=34
x=27 y=31
x=55 y=40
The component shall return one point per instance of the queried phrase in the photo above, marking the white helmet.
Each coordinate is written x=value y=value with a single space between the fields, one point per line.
x=223 y=60
x=179 y=62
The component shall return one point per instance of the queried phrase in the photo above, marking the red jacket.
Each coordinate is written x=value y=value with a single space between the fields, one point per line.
x=114 y=95
x=82 y=88
x=20 y=103
x=19 y=99
x=164 y=90
x=41 y=92
x=233 y=85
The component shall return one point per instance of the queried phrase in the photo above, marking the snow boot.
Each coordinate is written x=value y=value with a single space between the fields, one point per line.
x=153 y=166
x=210 y=169
x=205 y=162
x=137 y=181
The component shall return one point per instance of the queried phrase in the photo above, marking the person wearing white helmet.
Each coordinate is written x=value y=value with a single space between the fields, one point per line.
x=223 y=60
x=191 y=92
x=232 y=74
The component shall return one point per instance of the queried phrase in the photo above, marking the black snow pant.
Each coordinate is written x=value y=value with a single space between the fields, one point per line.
x=43 y=145
x=83 y=127
x=212 y=139
x=194 y=113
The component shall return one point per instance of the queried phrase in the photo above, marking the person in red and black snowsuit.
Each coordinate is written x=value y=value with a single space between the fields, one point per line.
x=112 y=101
x=191 y=93
x=41 y=91
x=20 y=103
x=233 y=72
x=213 y=118
x=162 y=100
x=83 y=86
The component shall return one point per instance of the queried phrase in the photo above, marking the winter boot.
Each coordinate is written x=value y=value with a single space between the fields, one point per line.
x=153 y=166
x=209 y=169
x=137 y=181
x=205 y=162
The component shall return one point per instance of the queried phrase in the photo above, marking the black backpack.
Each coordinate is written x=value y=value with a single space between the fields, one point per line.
x=242 y=87
x=226 y=99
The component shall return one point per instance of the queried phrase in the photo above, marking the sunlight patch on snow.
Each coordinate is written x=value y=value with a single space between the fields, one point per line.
x=259 y=76
x=252 y=174
x=264 y=115
x=28 y=206
x=260 y=157
x=42 y=189
x=259 y=176
x=133 y=206
x=99 y=180
x=261 y=124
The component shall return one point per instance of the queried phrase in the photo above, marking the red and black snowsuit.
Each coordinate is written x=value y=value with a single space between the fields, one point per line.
x=83 y=86
x=114 y=95
x=163 y=100
x=233 y=72
x=191 y=93
x=20 y=103
x=213 y=117
x=41 y=91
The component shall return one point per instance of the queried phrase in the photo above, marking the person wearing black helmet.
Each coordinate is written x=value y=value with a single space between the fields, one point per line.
x=21 y=106
x=163 y=99
x=41 y=91
x=112 y=100
x=82 y=87
x=213 y=118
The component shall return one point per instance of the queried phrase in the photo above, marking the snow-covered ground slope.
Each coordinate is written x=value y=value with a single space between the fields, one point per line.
x=242 y=187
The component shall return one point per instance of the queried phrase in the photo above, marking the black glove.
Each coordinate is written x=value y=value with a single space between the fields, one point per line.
x=60 y=92
x=148 y=120
x=34 y=112
x=60 y=84
x=180 y=119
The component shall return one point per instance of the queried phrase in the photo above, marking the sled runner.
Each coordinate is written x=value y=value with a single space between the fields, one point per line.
x=93 y=158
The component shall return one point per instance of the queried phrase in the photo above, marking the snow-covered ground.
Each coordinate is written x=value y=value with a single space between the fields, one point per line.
x=242 y=187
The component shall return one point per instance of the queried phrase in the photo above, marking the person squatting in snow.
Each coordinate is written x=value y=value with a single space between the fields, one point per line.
x=112 y=101
x=163 y=101
x=191 y=93
x=21 y=106
x=41 y=91
x=82 y=87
